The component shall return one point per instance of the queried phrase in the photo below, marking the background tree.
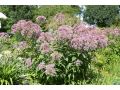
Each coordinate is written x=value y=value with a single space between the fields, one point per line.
x=102 y=15
x=49 y=11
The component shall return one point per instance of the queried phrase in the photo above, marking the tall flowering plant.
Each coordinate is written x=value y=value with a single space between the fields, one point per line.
x=67 y=52
x=76 y=45
x=26 y=29
x=26 y=34
x=58 y=57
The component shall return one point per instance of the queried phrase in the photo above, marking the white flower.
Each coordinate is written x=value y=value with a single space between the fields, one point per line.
x=20 y=58
x=6 y=52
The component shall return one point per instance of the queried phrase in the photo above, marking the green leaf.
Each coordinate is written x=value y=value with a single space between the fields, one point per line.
x=74 y=58
x=41 y=57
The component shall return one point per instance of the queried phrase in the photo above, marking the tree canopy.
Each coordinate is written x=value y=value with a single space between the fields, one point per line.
x=102 y=15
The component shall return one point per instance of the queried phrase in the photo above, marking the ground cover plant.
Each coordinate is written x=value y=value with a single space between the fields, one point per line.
x=76 y=53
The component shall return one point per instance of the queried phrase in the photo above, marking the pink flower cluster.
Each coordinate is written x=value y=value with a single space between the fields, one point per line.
x=26 y=28
x=40 y=19
x=41 y=66
x=83 y=37
x=88 y=39
x=59 y=18
x=44 y=41
x=45 y=37
x=21 y=45
x=56 y=56
x=49 y=69
x=45 y=48
x=83 y=28
x=3 y=34
x=28 y=62
x=65 y=32
x=4 y=37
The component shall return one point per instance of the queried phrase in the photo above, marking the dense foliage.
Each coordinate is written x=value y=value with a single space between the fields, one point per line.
x=101 y=15
x=77 y=41
x=52 y=10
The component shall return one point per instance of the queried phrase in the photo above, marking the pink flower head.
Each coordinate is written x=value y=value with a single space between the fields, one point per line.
x=4 y=35
x=59 y=17
x=18 y=26
x=64 y=32
x=50 y=69
x=45 y=36
x=41 y=66
x=80 y=28
x=86 y=39
x=56 y=56
x=28 y=62
x=45 y=48
x=41 y=19
x=36 y=29
x=26 y=28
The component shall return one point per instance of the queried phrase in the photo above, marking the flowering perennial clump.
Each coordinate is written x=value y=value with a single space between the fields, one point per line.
x=89 y=42
x=26 y=28
x=82 y=37
x=40 y=19
x=64 y=53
